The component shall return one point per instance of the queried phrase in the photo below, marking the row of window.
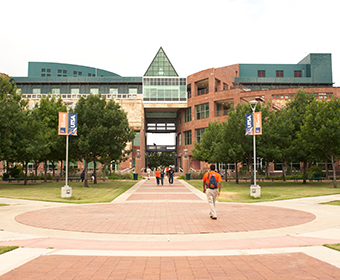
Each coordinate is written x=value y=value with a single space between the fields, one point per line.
x=188 y=136
x=46 y=72
x=77 y=96
x=75 y=91
x=165 y=81
x=279 y=73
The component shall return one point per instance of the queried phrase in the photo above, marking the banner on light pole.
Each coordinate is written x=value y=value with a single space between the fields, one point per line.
x=67 y=125
x=249 y=124
x=254 y=123
x=72 y=124
x=258 y=123
x=62 y=123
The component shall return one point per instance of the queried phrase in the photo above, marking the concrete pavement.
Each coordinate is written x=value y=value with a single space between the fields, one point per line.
x=164 y=232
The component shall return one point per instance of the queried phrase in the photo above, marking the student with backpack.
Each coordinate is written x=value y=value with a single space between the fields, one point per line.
x=212 y=188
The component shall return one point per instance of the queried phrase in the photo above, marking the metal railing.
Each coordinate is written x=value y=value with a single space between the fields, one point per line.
x=222 y=113
x=203 y=91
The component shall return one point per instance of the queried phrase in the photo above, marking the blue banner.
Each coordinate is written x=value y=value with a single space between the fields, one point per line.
x=72 y=124
x=249 y=124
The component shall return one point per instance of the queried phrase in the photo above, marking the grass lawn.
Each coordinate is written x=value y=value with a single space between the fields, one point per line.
x=334 y=202
x=333 y=246
x=4 y=249
x=277 y=190
x=101 y=192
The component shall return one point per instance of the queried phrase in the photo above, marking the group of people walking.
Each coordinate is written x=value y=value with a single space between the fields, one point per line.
x=211 y=185
x=160 y=174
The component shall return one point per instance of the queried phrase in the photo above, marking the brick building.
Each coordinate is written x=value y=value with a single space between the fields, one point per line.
x=161 y=102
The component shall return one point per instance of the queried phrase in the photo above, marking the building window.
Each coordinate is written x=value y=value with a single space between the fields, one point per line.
x=59 y=71
x=48 y=70
x=202 y=111
x=199 y=133
x=94 y=90
x=56 y=91
x=180 y=139
x=261 y=73
x=136 y=141
x=74 y=91
x=74 y=73
x=133 y=91
x=36 y=91
x=179 y=118
x=113 y=90
x=43 y=69
x=187 y=137
x=80 y=73
x=297 y=74
x=187 y=115
x=279 y=73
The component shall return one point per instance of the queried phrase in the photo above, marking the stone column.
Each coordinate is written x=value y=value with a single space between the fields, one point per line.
x=186 y=162
x=138 y=163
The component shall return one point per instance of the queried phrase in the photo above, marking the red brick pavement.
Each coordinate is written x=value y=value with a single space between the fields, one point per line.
x=279 y=266
x=168 y=209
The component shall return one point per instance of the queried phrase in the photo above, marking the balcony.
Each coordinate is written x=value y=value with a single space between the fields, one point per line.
x=202 y=91
x=221 y=113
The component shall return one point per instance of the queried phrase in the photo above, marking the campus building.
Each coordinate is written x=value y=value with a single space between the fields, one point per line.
x=162 y=102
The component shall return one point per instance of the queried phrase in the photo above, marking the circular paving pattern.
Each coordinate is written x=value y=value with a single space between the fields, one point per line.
x=163 y=218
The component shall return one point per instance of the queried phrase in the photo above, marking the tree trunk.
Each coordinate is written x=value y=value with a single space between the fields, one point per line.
x=283 y=172
x=95 y=170
x=85 y=170
x=45 y=170
x=61 y=169
x=53 y=169
x=226 y=172
x=304 y=172
x=236 y=169
x=26 y=169
x=104 y=172
x=334 y=172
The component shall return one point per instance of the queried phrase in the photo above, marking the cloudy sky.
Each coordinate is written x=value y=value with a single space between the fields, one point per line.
x=124 y=36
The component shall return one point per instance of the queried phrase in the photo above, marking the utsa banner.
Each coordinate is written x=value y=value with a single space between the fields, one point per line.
x=62 y=123
x=72 y=124
x=249 y=124
x=258 y=123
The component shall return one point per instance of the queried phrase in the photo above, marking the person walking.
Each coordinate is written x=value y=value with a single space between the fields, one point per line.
x=171 y=176
x=149 y=173
x=212 y=188
x=158 y=175
x=162 y=176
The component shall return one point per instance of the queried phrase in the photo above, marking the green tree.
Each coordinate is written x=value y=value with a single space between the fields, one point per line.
x=320 y=130
x=13 y=109
x=103 y=130
x=160 y=159
x=47 y=112
x=296 y=110
x=205 y=150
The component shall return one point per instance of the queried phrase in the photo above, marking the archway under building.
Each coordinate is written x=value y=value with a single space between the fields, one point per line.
x=160 y=132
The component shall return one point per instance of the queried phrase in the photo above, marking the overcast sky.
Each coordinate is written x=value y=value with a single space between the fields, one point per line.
x=124 y=36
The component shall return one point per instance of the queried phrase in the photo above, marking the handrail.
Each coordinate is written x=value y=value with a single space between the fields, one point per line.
x=180 y=169
x=192 y=169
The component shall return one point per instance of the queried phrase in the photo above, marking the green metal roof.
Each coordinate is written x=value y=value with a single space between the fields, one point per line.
x=161 y=66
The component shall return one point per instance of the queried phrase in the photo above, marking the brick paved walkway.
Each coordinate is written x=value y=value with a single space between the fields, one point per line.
x=164 y=232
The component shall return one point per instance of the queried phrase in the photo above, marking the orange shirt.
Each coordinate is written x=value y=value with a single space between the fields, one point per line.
x=217 y=176
x=158 y=173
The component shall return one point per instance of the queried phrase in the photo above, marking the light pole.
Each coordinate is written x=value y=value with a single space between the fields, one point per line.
x=255 y=190
x=66 y=191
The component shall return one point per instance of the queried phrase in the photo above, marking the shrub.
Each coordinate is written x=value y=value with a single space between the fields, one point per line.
x=195 y=175
x=181 y=177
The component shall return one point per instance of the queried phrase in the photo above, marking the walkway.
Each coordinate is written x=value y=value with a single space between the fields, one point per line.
x=164 y=232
